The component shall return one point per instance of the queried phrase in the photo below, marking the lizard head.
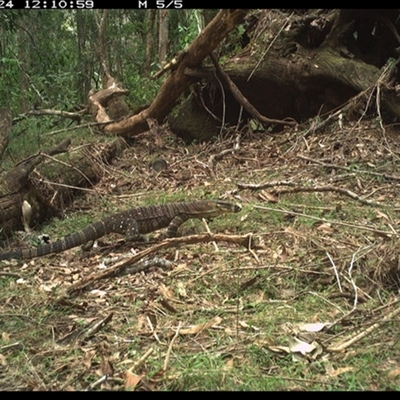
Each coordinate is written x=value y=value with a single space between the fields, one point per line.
x=222 y=207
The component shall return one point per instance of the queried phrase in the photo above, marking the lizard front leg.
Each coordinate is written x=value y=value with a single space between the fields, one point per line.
x=176 y=222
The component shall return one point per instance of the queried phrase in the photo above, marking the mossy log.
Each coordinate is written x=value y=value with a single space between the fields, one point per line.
x=48 y=184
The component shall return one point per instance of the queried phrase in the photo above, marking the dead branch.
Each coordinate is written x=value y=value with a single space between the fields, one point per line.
x=361 y=171
x=76 y=127
x=75 y=116
x=242 y=240
x=18 y=176
x=254 y=186
x=242 y=100
x=178 y=81
x=141 y=360
x=97 y=383
x=335 y=189
x=324 y=220
x=216 y=157
x=360 y=335
x=168 y=355
x=298 y=189
x=99 y=325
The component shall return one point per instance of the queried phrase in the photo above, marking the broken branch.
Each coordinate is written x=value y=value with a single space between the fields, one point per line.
x=243 y=240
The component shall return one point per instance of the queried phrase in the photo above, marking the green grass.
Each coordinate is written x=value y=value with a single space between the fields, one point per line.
x=258 y=299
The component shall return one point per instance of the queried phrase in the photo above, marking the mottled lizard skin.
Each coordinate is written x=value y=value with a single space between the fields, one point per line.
x=132 y=223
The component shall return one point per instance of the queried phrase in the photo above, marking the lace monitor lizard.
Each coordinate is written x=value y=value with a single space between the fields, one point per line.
x=133 y=224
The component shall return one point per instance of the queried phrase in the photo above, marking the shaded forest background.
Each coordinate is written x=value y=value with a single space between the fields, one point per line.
x=51 y=59
x=69 y=77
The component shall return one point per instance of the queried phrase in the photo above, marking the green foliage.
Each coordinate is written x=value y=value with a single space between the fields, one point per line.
x=9 y=20
x=52 y=56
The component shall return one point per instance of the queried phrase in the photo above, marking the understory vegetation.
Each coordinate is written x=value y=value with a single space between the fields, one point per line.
x=312 y=304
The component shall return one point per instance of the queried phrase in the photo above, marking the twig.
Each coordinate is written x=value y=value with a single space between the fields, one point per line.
x=360 y=291
x=314 y=381
x=153 y=331
x=10 y=274
x=210 y=271
x=145 y=264
x=390 y=304
x=270 y=45
x=322 y=123
x=339 y=190
x=33 y=369
x=254 y=186
x=327 y=301
x=216 y=157
x=166 y=361
x=16 y=345
x=361 y=171
x=97 y=383
x=88 y=125
x=352 y=281
x=22 y=316
x=361 y=335
x=335 y=270
x=100 y=325
x=297 y=189
x=64 y=185
x=250 y=250
x=243 y=101
x=141 y=360
x=362 y=227
x=56 y=160
x=209 y=232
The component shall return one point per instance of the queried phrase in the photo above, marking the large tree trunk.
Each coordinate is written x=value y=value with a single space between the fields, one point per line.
x=307 y=66
x=177 y=82
x=162 y=35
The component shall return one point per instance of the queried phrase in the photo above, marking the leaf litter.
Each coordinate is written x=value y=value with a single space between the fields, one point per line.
x=135 y=331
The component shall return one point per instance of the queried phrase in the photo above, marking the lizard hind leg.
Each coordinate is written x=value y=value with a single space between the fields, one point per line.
x=132 y=233
x=173 y=226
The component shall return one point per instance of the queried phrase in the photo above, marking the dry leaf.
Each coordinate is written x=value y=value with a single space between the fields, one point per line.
x=46 y=288
x=229 y=363
x=67 y=271
x=337 y=372
x=316 y=327
x=244 y=324
x=279 y=349
x=280 y=253
x=107 y=368
x=394 y=373
x=132 y=380
x=5 y=336
x=165 y=291
x=380 y=214
x=198 y=328
x=298 y=346
x=267 y=196
x=3 y=360
x=325 y=228
x=87 y=360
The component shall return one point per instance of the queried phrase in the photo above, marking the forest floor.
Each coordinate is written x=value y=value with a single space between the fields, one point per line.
x=313 y=304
